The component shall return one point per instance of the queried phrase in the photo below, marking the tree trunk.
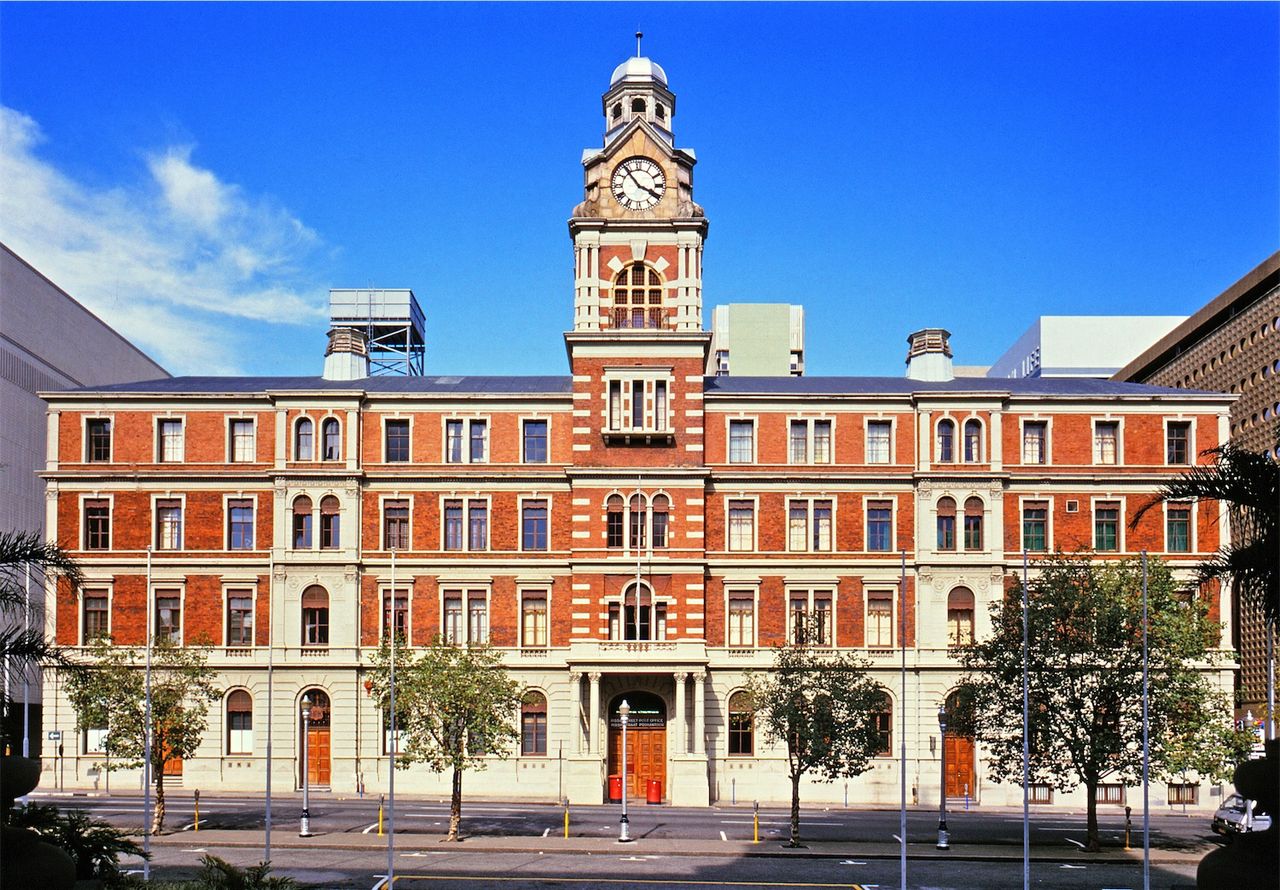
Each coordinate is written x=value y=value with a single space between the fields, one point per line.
x=795 y=811
x=157 y=816
x=455 y=805
x=1091 y=808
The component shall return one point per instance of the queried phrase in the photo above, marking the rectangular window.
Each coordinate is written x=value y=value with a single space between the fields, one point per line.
x=879 y=439
x=453 y=525
x=1183 y=792
x=879 y=618
x=660 y=406
x=615 y=404
x=659 y=528
x=169 y=524
x=395 y=525
x=1106 y=527
x=479 y=450
x=1035 y=434
x=533 y=622
x=535 y=441
x=533 y=731
x=613 y=527
x=95 y=739
x=742 y=620
x=798 y=452
x=798 y=526
x=330 y=525
x=799 y=613
x=477 y=525
x=1106 y=440
x=883 y=721
x=637 y=404
x=1177 y=528
x=302 y=524
x=239 y=732
x=240 y=524
x=97 y=440
x=168 y=626
x=947 y=532
x=880 y=525
x=171 y=445
x=822 y=525
x=533 y=522
x=96 y=625
x=1178 y=444
x=822 y=630
x=972 y=531
x=315 y=624
x=742 y=525
x=822 y=441
x=454 y=431
x=239 y=619
x=396 y=616
x=477 y=619
x=243 y=448
x=396 y=441
x=97 y=524
x=639 y=520
x=1035 y=526
x=454 y=633
x=741 y=441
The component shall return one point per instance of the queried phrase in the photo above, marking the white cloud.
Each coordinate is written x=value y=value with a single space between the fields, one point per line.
x=175 y=260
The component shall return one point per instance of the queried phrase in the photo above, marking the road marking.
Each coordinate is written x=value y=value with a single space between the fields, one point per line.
x=631 y=882
x=196 y=850
x=722 y=836
x=851 y=862
x=1074 y=841
x=546 y=832
x=469 y=818
x=898 y=839
x=763 y=822
x=371 y=827
x=1065 y=865
x=187 y=827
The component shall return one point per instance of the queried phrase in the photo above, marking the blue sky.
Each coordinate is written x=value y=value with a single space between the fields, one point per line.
x=200 y=175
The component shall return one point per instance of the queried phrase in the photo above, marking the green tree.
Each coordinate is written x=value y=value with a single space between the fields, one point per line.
x=455 y=707
x=108 y=689
x=822 y=706
x=1085 y=678
x=1248 y=483
x=24 y=649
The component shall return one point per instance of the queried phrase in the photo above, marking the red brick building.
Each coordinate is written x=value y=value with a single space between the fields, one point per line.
x=633 y=529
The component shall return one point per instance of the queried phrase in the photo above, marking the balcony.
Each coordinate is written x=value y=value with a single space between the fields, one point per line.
x=638 y=318
x=638 y=653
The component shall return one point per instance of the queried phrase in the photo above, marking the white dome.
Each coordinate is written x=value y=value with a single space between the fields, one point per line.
x=638 y=68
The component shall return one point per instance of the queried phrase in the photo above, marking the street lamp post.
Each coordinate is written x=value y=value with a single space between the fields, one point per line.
x=304 y=829
x=624 y=711
x=944 y=840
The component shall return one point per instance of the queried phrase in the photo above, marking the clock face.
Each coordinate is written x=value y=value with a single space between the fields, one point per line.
x=638 y=183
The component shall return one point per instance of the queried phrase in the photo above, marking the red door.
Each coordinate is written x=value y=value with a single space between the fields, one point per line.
x=317 y=739
x=646 y=758
x=959 y=753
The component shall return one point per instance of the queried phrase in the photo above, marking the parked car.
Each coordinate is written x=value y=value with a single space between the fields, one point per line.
x=1230 y=819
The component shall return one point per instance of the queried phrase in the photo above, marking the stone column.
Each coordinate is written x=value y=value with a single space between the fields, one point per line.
x=681 y=721
x=576 y=743
x=594 y=729
x=699 y=713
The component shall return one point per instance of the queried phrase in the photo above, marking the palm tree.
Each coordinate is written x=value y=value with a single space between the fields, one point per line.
x=1249 y=484
x=24 y=648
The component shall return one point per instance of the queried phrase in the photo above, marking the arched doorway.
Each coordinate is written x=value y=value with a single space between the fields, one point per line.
x=317 y=738
x=646 y=741
x=958 y=747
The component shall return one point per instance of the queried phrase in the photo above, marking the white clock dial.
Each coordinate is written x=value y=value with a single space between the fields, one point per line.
x=638 y=183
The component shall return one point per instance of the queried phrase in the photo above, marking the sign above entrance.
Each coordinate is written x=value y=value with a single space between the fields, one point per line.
x=640 y=718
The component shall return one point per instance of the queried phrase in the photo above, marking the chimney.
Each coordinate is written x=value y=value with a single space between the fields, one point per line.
x=929 y=356
x=347 y=356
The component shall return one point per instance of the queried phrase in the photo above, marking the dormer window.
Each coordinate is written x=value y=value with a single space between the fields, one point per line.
x=637 y=298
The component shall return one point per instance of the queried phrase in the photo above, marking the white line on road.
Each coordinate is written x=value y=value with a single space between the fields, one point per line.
x=898 y=839
x=851 y=862
x=370 y=828
x=1074 y=841
x=187 y=827
x=196 y=850
x=723 y=837
x=1066 y=865
x=546 y=832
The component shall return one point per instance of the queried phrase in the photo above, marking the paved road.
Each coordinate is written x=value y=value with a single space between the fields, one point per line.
x=334 y=815
x=430 y=869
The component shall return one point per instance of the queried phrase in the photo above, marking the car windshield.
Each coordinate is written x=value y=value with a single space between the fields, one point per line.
x=1234 y=802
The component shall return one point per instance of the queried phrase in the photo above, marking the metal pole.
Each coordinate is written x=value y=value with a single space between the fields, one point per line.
x=902 y=728
x=1026 y=733
x=1146 y=742
x=391 y=747
x=944 y=840
x=623 y=824
x=271 y=672
x=26 y=682
x=146 y=737
x=638 y=525
x=304 y=827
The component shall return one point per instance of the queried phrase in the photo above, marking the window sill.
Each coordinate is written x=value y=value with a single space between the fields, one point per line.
x=638 y=437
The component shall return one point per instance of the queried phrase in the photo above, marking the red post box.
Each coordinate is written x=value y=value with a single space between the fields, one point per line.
x=615 y=788
x=655 y=791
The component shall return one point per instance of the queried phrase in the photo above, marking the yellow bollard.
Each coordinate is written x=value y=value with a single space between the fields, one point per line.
x=755 y=822
x=381 y=798
x=196 y=826
x=566 y=818
x=1127 y=824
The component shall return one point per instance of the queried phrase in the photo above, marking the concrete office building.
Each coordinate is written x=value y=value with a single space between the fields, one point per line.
x=757 y=340
x=1080 y=345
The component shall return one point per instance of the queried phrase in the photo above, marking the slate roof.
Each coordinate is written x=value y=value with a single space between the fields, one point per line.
x=729 y=386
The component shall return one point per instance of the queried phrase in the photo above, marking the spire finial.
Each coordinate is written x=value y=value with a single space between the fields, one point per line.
x=639 y=37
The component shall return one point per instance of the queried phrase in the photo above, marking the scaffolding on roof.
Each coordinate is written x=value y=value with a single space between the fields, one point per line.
x=392 y=321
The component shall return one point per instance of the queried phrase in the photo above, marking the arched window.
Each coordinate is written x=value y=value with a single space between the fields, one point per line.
x=302 y=523
x=661 y=507
x=637 y=297
x=960 y=617
x=660 y=111
x=330 y=522
x=946 y=441
x=304 y=440
x=637 y=106
x=741 y=725
x=639 y=519
x=882 y=717
x=638 y=617
x=533 y=725
x=973 y=524
x=617 y=111
x=331 y=433
x=239 y=722
x=973 y=441
x=614 y=521
x=946 y=524
x=315 y=616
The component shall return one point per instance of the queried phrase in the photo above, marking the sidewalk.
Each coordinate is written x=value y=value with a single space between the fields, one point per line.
x=407 y=842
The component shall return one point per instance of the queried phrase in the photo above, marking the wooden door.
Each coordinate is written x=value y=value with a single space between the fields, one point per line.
x=318 y=755
x=646 y=759
x=173 y=766
x=959 y=753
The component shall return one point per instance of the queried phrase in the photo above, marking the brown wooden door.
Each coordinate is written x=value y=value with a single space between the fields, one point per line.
x=318 y=755
x=173 y=766
x=646 y=759
x=959 y=753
